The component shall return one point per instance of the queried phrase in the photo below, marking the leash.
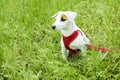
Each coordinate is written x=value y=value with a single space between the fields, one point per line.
x=103 y=50
x=100 y=49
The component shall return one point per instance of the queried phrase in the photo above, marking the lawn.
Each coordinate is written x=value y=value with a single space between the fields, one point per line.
x=30 y=49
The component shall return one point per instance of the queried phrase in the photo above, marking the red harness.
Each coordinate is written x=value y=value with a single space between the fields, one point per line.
x=67 y=41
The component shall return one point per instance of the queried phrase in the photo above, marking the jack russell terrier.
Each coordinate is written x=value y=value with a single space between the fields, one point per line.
x=73 y=39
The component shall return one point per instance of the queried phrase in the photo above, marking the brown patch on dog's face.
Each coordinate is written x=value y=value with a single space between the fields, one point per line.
x=63 y=17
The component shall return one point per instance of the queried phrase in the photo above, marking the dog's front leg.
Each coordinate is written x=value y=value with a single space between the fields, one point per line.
x=64 y=51
x=64 y=54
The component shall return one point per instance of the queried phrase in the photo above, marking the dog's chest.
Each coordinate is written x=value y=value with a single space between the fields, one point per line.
x=77 y=43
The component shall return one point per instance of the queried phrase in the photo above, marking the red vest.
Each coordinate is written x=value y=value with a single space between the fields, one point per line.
x=67 y=41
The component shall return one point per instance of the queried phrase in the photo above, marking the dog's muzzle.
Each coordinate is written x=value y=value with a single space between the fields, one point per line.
x=53 y=27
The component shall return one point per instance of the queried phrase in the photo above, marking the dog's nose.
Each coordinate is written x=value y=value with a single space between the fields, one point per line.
x=53 y=27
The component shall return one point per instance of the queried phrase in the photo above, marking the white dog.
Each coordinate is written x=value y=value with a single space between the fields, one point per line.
x=73 y=39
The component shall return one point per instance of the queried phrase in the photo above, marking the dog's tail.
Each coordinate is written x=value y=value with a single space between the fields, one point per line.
x=103 y=50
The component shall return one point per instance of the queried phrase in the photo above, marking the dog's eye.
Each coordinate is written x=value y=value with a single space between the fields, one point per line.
x=62 y=19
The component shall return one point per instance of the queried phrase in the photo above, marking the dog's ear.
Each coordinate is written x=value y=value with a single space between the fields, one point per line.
x=71 y=15
x=55 y=15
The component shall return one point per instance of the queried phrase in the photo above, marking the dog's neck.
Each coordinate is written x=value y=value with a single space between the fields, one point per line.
x=71 y=27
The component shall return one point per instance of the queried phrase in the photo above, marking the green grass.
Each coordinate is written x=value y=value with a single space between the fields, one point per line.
x=30 y=49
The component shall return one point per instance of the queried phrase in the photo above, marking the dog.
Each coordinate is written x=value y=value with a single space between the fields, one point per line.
x=73 y=38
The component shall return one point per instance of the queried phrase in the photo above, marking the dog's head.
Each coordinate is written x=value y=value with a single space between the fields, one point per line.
x=63 y=19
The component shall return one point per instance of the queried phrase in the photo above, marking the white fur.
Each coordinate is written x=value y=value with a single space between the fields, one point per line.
x=67 y=28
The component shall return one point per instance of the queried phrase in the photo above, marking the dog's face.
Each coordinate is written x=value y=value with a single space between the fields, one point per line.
x=63 y=19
